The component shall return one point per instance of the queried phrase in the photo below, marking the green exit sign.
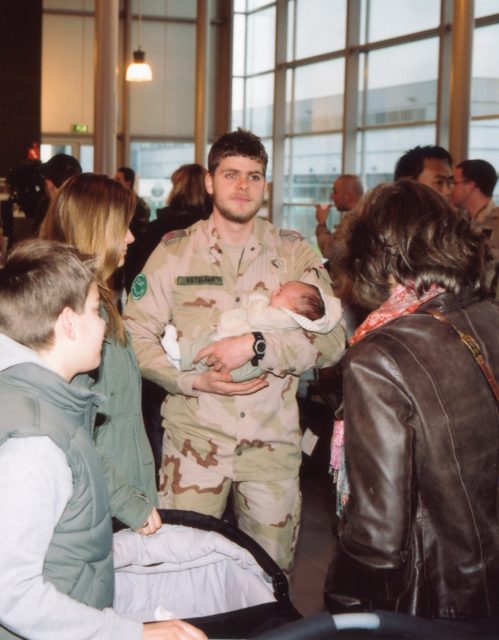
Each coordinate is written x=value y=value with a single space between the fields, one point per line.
x=79 y=128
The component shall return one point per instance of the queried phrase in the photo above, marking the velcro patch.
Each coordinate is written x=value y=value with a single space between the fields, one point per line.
x=200 y=280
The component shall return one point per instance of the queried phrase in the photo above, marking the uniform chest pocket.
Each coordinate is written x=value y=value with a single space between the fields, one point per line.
x=196 y=309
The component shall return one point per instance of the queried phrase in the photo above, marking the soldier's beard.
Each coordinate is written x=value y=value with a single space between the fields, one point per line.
x=240 y=217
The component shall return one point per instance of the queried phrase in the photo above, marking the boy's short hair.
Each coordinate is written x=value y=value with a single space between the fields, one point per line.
x=310 y=303
x=40 y=279
x=237 y=143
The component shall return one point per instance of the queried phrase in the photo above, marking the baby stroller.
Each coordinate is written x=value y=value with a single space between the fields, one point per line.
x=384 y=625
x=203 y=570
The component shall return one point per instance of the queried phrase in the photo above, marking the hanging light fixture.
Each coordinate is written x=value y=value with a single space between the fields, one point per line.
x=139 y=70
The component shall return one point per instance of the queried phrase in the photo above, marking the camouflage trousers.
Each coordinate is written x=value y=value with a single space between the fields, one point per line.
x=268 y=511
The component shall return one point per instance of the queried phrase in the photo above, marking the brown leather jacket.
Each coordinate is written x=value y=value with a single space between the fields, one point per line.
x=420 y=533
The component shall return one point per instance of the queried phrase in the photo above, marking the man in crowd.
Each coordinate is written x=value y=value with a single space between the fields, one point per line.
x=126 y=176
x=57 y=170
x=54 y=172
x=221 y=436
x=474 y=183
x=430 y=165
x=346 y=191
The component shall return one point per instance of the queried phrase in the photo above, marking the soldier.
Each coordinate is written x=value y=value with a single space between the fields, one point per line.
x=223 y=436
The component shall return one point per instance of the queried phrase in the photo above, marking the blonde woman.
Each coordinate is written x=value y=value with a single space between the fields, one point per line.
x=93 y=213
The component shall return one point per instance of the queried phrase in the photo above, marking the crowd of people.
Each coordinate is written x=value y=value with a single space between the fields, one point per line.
x=185 y=396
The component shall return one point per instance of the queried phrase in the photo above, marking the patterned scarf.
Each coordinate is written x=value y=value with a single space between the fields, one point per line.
x=402 y=301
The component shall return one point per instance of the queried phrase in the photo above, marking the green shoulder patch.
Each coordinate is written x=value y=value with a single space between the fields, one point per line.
x=139 y=287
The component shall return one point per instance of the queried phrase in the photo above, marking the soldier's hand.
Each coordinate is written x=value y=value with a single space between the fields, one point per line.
x=221 y=383
x=227 y=354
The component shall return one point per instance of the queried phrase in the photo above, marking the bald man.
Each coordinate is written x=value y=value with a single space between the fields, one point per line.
x=346 y=191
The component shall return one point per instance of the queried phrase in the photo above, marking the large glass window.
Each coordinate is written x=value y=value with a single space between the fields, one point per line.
x=381 y=148
x=253 y=54
x=408 y=93
x=393 y=53
x=239 y=45
x=261 y=41
x=259 y=104
x=320 y=27
x=484 y=127
x=484 y=140
x=485 y=8
x=392 y=18
x=311 y=164
x=485 y=74
x=318 y=97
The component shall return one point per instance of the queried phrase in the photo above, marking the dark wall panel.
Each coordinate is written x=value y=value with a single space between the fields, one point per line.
x=20 y=79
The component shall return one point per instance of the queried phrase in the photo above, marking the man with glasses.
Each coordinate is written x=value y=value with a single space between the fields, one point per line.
x=430 y=165
x=474 y=183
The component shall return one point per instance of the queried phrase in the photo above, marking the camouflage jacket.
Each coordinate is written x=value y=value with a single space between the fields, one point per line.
x=487 y=222
x=189 y=281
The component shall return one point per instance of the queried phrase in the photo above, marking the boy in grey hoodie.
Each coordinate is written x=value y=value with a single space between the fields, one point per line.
x=56 y=568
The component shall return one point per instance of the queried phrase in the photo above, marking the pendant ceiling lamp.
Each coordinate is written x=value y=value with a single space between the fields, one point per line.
x=139 y=70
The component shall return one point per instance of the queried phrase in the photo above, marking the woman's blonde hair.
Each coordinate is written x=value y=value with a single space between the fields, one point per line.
x=93 y=212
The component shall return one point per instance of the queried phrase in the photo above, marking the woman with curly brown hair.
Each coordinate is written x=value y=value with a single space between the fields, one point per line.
x=420 y=531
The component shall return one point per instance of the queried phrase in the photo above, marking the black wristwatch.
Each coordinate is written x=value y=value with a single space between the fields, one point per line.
x=259 y=346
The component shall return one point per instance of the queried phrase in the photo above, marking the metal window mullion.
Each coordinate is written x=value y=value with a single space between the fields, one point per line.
x=105 y=98
x=201 y=80
x=363 y=125
x=351 y=82
x=444 y=73
x=462 y=47
x=245 y=70
x=279 y=113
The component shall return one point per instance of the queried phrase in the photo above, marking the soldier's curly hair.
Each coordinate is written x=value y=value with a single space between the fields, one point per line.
x=237 y=143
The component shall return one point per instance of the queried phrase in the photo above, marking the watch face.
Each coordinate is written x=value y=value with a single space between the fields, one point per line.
x=259 y=347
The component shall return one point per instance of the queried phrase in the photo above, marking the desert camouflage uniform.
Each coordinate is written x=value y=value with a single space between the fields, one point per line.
x=487 y=222
x=250 y=443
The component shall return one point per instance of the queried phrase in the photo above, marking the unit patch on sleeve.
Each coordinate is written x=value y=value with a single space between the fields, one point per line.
x=139 y=287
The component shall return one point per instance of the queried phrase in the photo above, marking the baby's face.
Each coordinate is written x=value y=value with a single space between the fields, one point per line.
x=287 y=295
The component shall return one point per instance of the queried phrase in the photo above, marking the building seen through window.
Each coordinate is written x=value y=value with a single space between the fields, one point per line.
x=331 y=86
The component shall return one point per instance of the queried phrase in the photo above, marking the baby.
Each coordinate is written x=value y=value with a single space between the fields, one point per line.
x=293 y=305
